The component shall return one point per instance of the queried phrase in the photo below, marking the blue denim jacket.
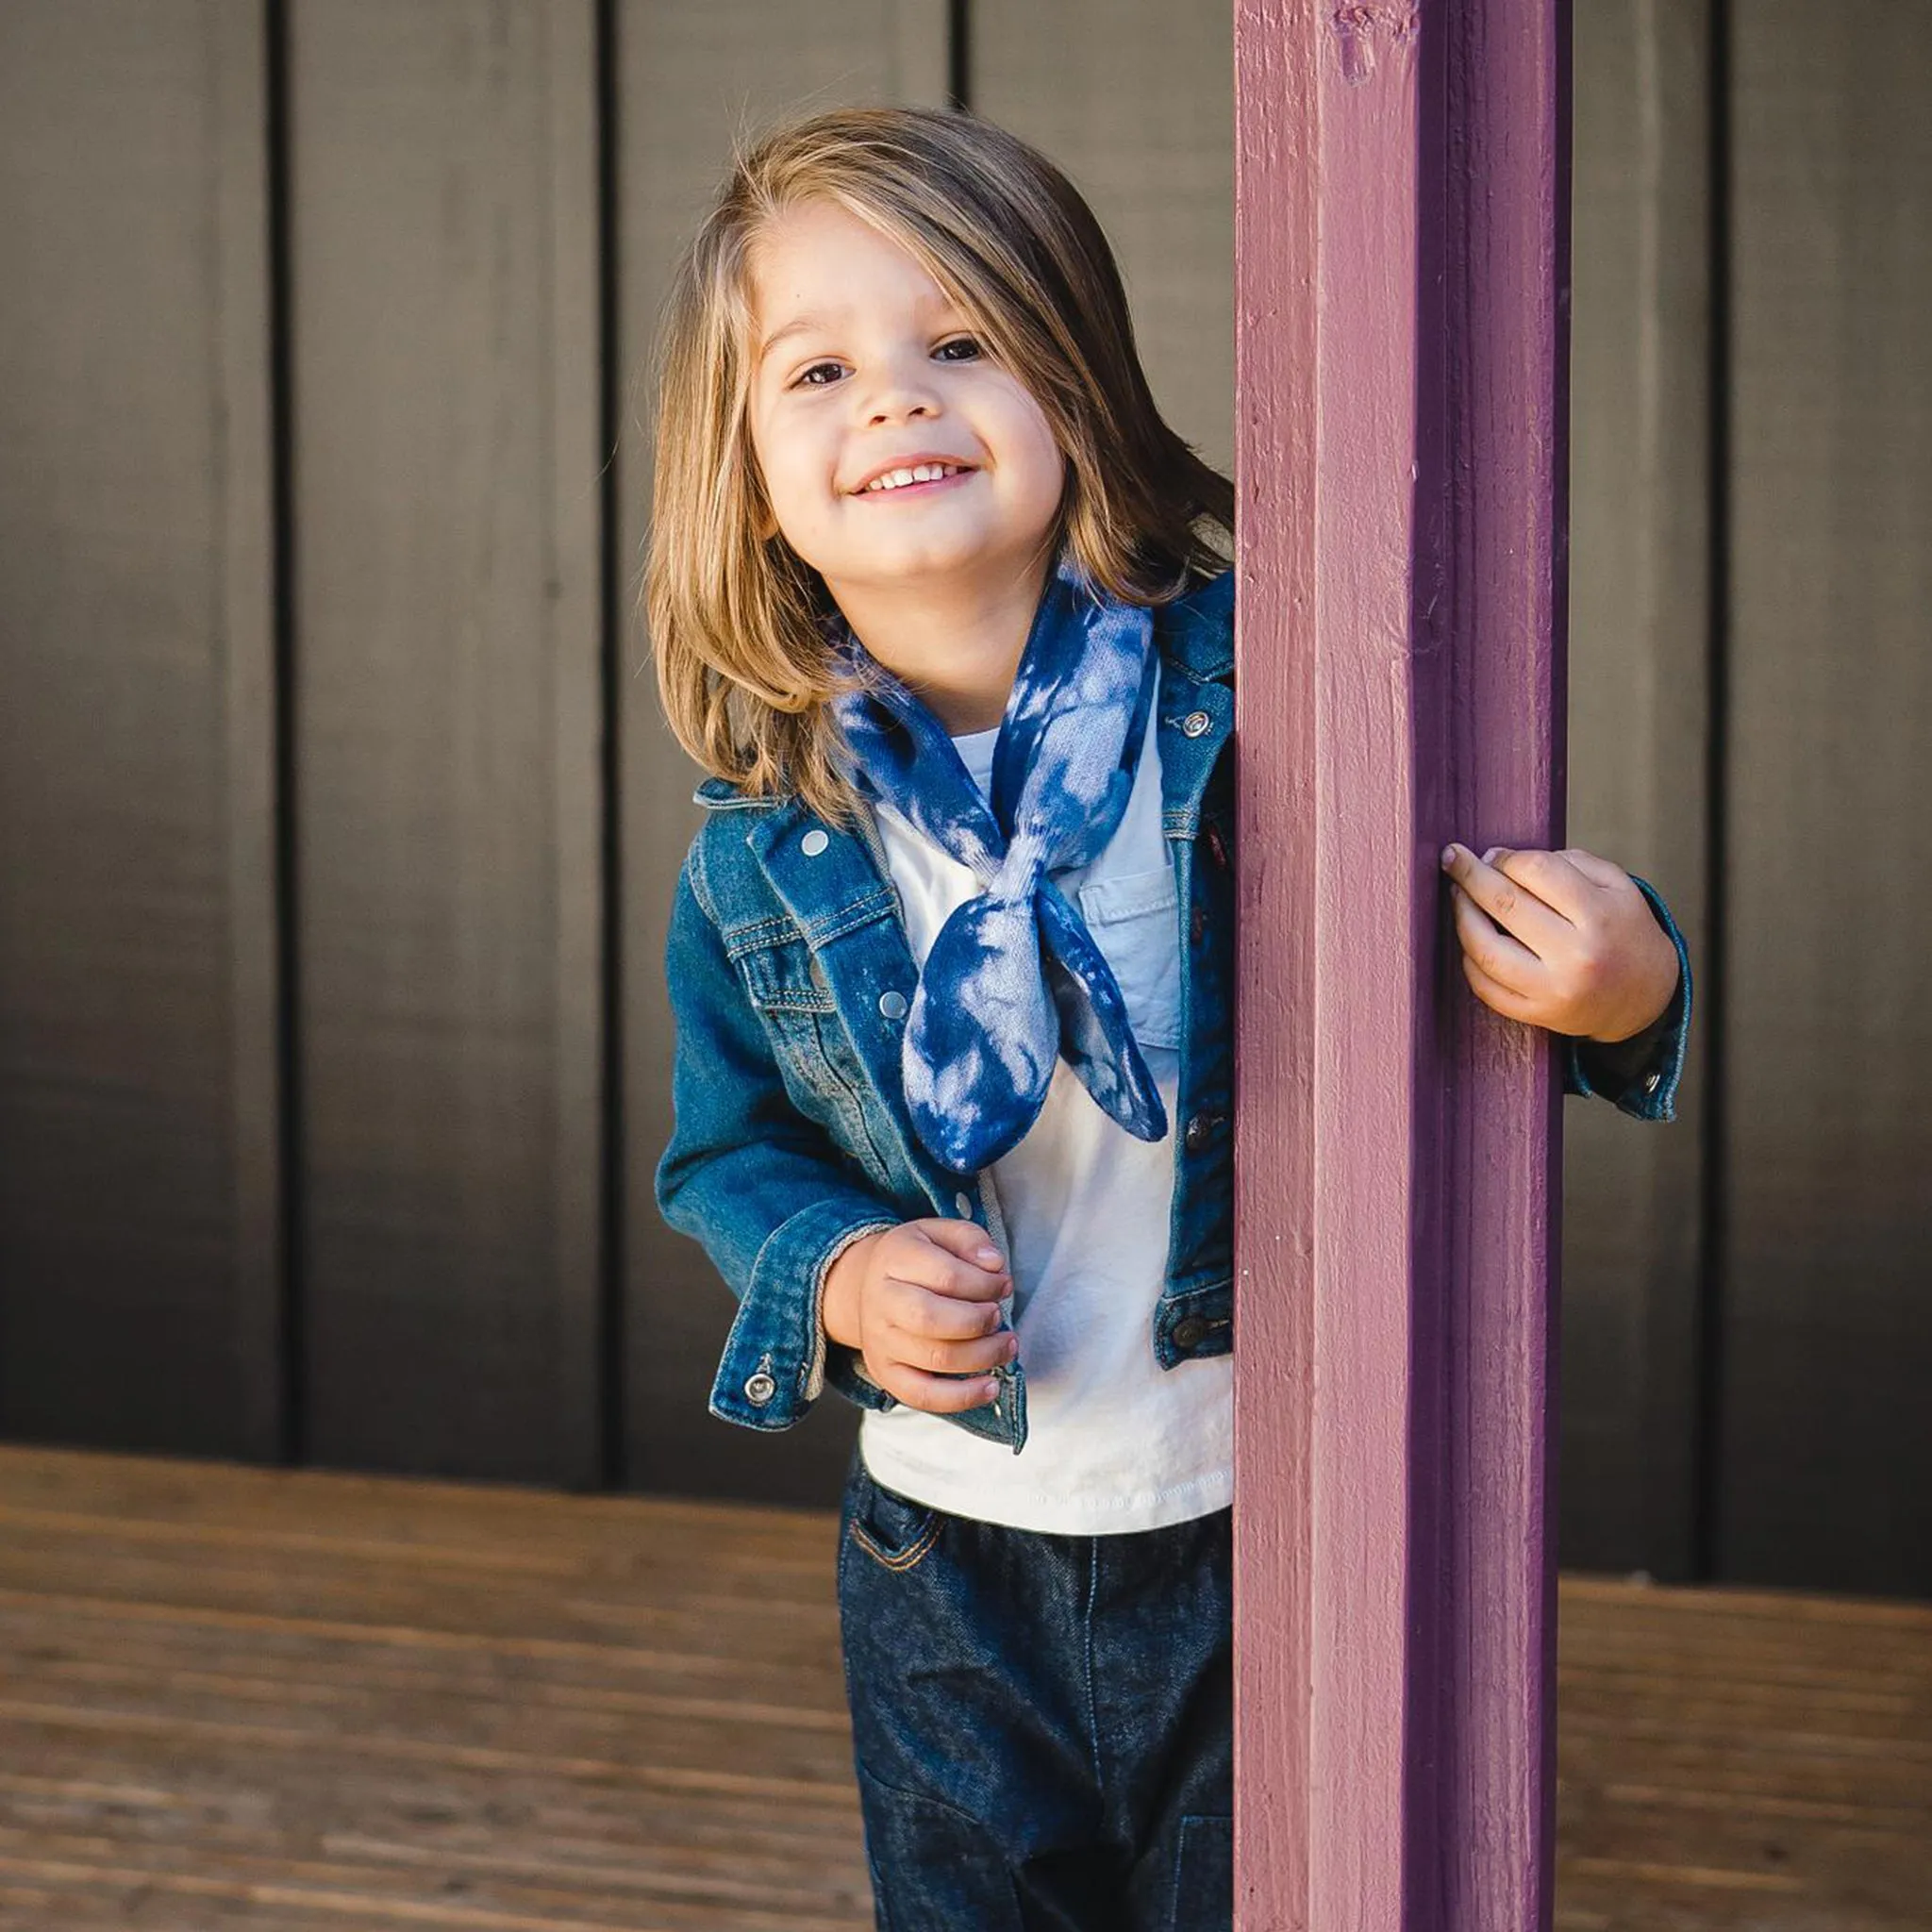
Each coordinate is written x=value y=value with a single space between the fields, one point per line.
x=789 y=974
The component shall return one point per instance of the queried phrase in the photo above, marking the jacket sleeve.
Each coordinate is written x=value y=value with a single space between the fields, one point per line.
x=771 y=1198
x=1639 y=1075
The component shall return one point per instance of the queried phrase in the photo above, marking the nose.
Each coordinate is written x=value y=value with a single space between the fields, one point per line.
x=902 y=386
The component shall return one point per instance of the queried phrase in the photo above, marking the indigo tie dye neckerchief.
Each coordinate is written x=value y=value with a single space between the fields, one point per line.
x=1014 y=979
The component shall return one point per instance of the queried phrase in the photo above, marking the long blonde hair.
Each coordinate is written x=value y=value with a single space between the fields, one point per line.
x=744 y=670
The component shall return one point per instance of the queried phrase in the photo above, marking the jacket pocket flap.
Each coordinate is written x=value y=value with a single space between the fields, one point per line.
x=783 y=979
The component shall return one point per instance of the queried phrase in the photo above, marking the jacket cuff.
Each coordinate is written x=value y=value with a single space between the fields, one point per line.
x=1639 y=1077
x=775 y=1360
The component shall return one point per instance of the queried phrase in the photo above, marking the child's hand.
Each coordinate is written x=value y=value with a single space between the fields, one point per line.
x=921 y=1304
x=1579 y=950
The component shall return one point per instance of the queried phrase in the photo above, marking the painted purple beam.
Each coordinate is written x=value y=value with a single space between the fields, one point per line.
x=1401 y=260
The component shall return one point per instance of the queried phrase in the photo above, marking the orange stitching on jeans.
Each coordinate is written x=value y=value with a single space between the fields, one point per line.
x=906 y=1557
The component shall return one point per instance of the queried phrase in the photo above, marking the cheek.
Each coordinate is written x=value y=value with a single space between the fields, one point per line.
x=1029 y=443
x=1047 y=469
x=787 y=473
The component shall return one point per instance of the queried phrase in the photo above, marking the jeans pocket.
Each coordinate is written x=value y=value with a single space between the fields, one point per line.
x=1203 y=1876
x=893 y=1530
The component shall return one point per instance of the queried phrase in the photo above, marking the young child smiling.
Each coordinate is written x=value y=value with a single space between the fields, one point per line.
x=942 y=607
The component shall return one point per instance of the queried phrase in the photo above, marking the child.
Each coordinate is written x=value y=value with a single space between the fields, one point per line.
x=950 y=961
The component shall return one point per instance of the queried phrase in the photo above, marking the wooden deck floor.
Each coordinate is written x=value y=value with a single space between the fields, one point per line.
x=275 y=1702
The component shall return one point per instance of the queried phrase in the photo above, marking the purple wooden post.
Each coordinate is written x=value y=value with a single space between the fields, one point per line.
x=1401 y=242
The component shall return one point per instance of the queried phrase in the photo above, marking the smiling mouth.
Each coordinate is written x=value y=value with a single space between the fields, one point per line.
x=920 y=480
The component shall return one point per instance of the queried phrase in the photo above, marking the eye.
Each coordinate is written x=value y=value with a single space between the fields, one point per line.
x=806 y=378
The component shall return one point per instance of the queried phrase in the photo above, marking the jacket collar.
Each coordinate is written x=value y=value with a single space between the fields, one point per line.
x=1197 y=698
x=1195 y=633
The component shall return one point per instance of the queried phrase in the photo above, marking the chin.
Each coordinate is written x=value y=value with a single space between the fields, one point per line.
x=913 y=561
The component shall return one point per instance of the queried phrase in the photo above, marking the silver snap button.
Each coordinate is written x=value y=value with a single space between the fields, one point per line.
x=760 y=1388
x=892 y=1005
x=813 y=843
x=963 y=1205
x=1652 y=1082
x=1194 y=724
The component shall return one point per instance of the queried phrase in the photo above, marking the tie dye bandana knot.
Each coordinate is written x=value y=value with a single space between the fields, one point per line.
x=1014 y=980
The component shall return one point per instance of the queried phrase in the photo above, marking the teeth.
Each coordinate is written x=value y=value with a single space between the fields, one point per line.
x=920 y=472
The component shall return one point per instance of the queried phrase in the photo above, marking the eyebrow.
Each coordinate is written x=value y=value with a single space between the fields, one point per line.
x=797 y=325
x=801 y=325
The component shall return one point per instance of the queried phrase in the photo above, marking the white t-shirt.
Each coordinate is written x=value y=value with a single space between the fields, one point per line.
x=1114 y=1442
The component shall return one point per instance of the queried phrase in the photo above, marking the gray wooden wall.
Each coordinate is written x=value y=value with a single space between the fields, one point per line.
x=337 y=823
x=1642 y=519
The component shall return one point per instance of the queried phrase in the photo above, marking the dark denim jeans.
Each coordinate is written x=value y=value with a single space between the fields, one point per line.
x=1043 y=1725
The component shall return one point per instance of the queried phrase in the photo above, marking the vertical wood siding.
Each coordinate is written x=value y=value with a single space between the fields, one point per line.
x=477 y=202
x=139 y=1168
x=443 y=274
x=1640 y=717
x=1823 y=1454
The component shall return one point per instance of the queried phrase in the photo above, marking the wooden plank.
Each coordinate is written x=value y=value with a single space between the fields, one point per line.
x=688 y=75
x=1826 y=1463
x=276 y=1693
x=1136 y=104
x=447 y=721
x=1401 y=261
x=1640 y=714
x=1740 y=1760
x=138 y=1149
x=172 y=1758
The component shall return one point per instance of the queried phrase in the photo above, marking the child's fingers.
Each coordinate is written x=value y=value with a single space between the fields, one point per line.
x=938 y=1273
x=927 y=1263
x=937 y=1394
x=964 y=1239
x=1496 y=997
x=933 y=1356
x=1550 y=876
x=1504 y=959
x=1513 y=906
x=926 y=1313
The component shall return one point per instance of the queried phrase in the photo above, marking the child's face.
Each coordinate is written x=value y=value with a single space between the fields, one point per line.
x=882 y=370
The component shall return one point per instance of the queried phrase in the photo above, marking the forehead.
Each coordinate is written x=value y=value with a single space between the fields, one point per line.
x=820 y=264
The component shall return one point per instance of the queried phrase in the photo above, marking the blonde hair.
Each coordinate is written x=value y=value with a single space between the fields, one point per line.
x=743 y=669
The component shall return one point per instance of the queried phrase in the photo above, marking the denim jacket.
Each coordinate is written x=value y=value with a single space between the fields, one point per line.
x=790 y=974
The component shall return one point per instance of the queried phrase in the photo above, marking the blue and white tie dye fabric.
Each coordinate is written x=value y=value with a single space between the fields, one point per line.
x=1014 y=980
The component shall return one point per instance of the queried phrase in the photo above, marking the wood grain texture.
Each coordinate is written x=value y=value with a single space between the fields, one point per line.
x=446 y=720
x=243 y=1697
x=1826 y=1460
x=281 y=1701
x=1731 y=1759
x=1402 y=261
x=688 y=74
x=138 y=1161
x=1640 y=717
x=1276 y=183
x=1136 y=104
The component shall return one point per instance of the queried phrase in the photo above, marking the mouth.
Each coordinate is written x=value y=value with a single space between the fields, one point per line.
x=915 y=479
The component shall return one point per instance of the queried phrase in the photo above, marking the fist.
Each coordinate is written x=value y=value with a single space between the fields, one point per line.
x=1562 y=939
x=921 y=1302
